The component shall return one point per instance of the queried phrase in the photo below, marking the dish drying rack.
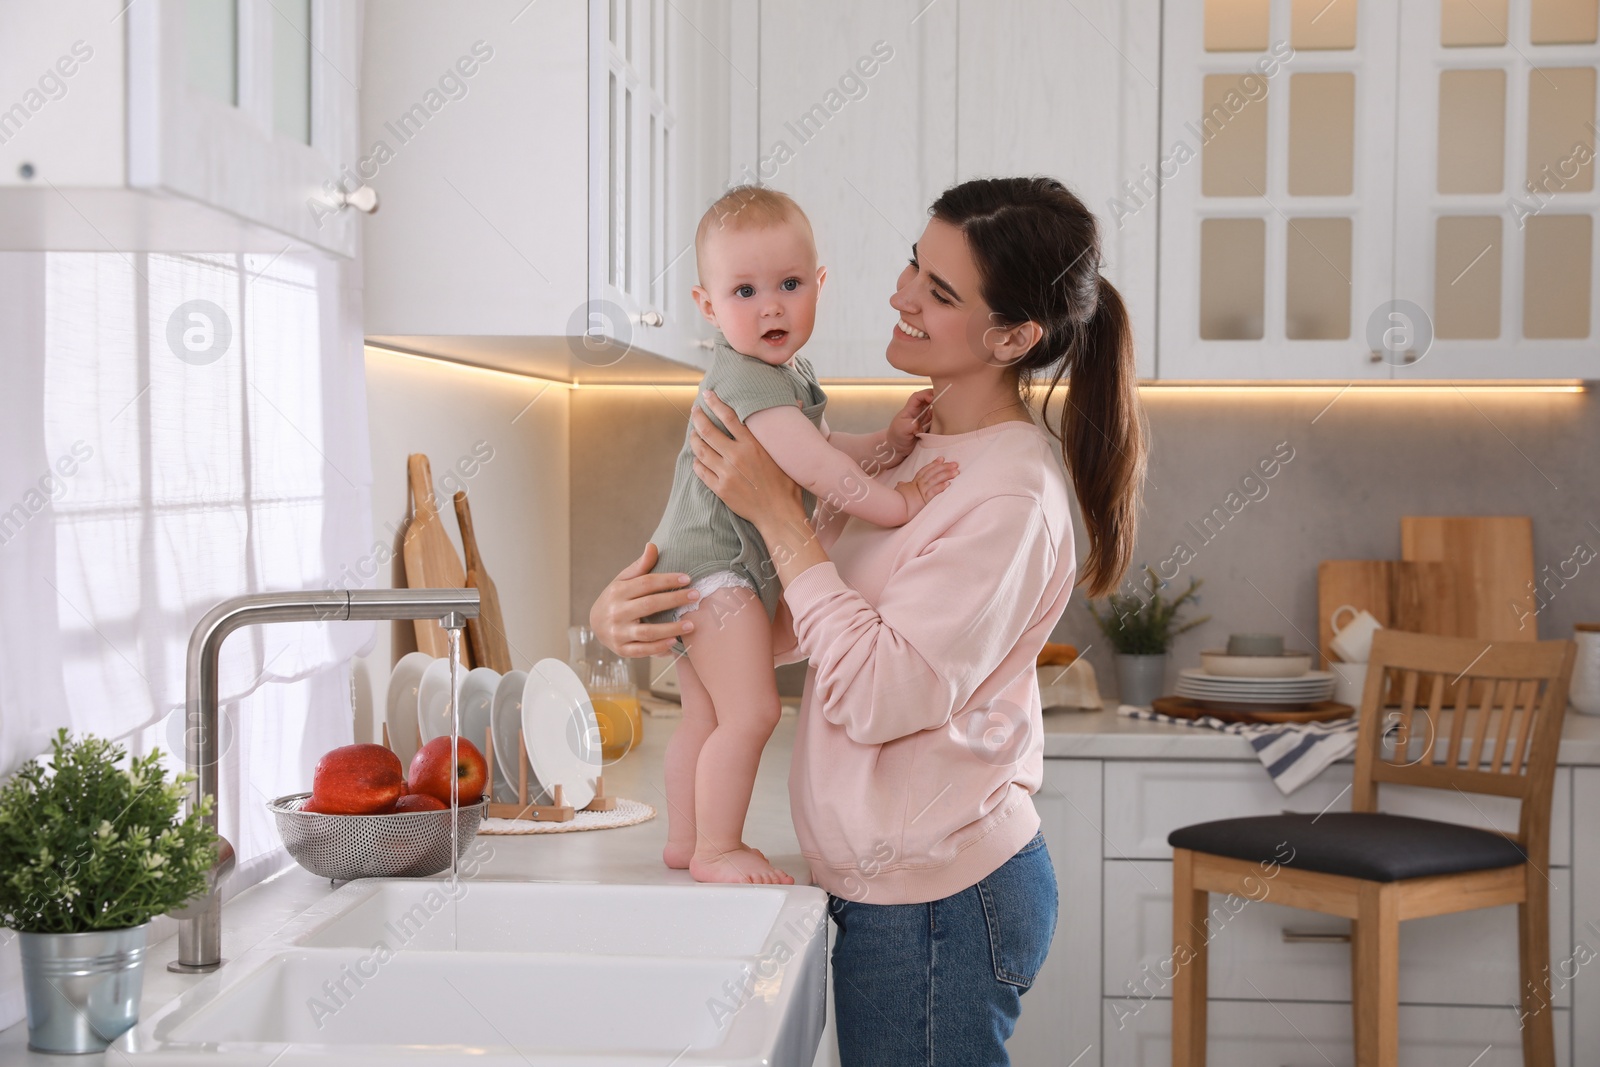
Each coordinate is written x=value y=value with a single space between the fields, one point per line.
x=559 y=811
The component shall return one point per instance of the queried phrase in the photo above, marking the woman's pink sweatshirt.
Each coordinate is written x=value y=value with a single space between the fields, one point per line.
x=920 y=739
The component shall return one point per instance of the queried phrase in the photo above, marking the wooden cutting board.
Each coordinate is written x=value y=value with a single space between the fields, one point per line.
x=1492 y=556
x=488 y=631
x=1402 y=595
x=1185 y=708
x=430 y=558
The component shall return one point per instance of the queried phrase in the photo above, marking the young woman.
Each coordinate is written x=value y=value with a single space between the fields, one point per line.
x=919 y=740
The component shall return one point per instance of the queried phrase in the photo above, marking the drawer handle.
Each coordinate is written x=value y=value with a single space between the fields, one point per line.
x=1319 y=937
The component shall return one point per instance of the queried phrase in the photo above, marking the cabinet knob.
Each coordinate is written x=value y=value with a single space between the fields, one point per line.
x=649 y=318
x=1324 y=937
x=364 y=199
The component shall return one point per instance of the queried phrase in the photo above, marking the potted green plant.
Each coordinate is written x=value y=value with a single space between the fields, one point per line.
x=1141 y=629
x=92 y=849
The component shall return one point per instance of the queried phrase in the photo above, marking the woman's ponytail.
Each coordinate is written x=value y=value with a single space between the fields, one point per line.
x=1103 y=438
x=1037 y=249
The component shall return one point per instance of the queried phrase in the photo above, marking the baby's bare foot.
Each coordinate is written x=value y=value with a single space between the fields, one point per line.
x=677 y=855
x=737 y=865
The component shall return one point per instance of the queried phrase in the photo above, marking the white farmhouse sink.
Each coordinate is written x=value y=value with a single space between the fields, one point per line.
x=407 y=972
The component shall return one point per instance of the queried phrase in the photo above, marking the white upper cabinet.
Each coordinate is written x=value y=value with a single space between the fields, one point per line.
x=1072 y=91
x=857 y=122
x=1495 y=240
x=869 y=111
x=213 y=125
x=1369 y=190
x=1277 y=188
x=544 y=218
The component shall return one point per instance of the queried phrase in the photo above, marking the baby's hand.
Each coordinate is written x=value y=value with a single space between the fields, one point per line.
x=913 y=419
x=926 y=484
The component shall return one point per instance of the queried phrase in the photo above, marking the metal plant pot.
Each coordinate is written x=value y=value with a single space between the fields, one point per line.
x=82 y=989
x=1140 y=678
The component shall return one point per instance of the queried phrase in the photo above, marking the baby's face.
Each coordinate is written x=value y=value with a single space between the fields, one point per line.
x=760 y=289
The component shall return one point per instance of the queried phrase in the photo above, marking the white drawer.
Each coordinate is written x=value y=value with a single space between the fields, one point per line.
x=1244 y=1034
x=1469 y=958
x=1145 y=800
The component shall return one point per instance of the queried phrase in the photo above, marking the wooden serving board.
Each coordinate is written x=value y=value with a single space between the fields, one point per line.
x=1400 y=594
x=430 y=559
x=488 y=631
x=1184 y=708
x=1492 y=557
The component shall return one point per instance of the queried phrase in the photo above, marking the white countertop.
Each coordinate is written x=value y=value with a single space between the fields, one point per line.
x=629 y=854
x=632 y=854
x=1106 y=735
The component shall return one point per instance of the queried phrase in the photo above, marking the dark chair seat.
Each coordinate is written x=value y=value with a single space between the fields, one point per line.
x=1374 y=846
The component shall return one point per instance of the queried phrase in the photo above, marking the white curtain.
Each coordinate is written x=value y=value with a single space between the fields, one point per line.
x=178 y=429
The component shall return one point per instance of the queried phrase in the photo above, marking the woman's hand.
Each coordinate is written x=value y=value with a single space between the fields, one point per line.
x=741 y=472
x=633 y=594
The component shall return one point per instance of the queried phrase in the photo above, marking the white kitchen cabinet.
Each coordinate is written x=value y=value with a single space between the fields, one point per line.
x=555 y=200
x=1277 y=189
x=1495 y=238
x=1072 y=91
x=1156 y=797
x=1104 y=994
x=1246 y=1033
x=1580 y=968
x=1408 y=195
x=1061 y=1010
x=228 y=125
x=857 y=121
x=1262 y=950
x=868 y=113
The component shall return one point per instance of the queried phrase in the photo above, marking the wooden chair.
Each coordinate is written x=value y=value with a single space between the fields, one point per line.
x=1379 y=870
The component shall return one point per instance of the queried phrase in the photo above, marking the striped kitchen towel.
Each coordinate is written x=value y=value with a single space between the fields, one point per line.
x=1292 y=753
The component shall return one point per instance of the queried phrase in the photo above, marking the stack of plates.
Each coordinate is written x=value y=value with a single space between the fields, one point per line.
x=1308 y=688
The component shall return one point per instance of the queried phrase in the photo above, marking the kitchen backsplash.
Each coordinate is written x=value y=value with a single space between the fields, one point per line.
x=1346 y=467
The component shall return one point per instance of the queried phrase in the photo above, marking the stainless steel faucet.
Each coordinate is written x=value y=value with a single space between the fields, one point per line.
x=200 y=932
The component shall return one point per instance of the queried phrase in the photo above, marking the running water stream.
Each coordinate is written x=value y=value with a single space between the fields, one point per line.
x=454 y=635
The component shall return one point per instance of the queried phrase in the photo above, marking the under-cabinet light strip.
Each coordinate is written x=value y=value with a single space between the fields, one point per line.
x=1391 y=388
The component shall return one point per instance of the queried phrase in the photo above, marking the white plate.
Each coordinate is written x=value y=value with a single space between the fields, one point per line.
x=477 y=704
x=505 y=720
x=1197 y=675
x=1313 y=687
x=561 y=733
x=433 y=700
x=1251 y=695
x=400 y=705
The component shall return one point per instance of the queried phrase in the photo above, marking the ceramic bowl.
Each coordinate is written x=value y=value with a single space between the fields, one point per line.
x=1284 y=665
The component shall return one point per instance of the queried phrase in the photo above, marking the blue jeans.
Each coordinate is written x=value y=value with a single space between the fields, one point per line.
x=941 y=983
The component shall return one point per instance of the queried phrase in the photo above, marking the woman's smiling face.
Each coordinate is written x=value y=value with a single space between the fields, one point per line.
x=937 y=298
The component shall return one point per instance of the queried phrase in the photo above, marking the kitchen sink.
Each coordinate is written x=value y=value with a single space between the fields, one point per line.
x=412 y=971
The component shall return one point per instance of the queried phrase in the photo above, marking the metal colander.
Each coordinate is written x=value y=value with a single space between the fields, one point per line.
x=411 y=844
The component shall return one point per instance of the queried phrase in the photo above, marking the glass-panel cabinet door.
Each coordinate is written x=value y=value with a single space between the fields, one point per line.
x=1276 y=178
x=1496 y=186
x=630 y=148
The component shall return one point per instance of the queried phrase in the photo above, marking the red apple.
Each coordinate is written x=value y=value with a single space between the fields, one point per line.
x=356 y=780
x=419 y=802
x=430 y=771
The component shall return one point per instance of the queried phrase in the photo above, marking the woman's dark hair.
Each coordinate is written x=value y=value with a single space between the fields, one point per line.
x=1037 y=249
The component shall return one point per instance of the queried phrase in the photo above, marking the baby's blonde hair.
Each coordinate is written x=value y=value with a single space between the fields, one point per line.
x=749 y=207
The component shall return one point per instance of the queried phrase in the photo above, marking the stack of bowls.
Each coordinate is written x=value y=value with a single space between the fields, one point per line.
x=1255 y=669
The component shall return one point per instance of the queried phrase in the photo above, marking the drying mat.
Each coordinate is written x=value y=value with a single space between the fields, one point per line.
x=626 y=813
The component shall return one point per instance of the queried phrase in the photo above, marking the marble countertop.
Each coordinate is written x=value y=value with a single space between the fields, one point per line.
x=1103 y=734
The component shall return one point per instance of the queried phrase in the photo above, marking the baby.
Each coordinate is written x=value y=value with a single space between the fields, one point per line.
x=759 y=283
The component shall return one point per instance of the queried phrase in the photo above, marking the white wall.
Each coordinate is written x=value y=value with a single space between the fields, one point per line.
x=520 y=498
